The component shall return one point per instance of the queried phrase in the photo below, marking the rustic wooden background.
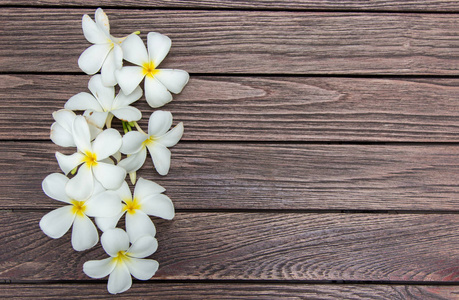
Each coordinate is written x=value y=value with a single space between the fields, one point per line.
x=320 y=155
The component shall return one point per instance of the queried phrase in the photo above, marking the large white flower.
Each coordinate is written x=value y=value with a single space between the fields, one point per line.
x=56 y=223
x=106 y=52
x=148 y=201
x=158 y=82
x=156 y=140
x=123 y=260
x=61 y=130
x=103 y=104
x=94 y=158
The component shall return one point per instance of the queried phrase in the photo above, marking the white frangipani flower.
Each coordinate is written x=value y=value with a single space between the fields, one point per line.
x=157 y=140
x=106 y=52
x=123 y=260
x=94 y=158
x=158 y=82
x=148 y=201
x=61 y=130
x=102 y=105
x=56 y=223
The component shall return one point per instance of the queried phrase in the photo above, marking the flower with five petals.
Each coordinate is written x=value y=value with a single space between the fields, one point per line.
x=94 y=160
x=102 y=105
x=148 y=201
x=124 y=260
x=158 y=82
x=56 y=223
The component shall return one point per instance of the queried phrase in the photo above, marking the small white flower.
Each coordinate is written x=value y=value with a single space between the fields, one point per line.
x=123 y=260
x=61 y=130
x=148 y=201
x=157 y=140
x=94 y=158
x=56 y=223
x=158 y=82
x=106 y=52
x=103 y=104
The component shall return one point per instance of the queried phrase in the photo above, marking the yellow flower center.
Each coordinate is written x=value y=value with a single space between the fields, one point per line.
x=148 y=142
x=121 y=256
x=90 y=159
x=149 y=69
x=131 y=206
x=78 y=207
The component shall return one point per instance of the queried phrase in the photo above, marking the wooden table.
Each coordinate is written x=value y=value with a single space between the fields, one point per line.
x=320 y=155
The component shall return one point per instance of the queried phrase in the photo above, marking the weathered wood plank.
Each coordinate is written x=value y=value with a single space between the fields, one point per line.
x=333 y=5
x=271 y=176
x=266 y=246
x=263 y=108
x=199 y=291
x=36 y=39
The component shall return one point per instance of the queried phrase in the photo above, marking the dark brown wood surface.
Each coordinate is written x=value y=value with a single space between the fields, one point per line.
x=268 y=176
x=258 y=246
x=246 y=41
x=246 y=291
x=333 y=5
x=319 y=161
x=263 y=108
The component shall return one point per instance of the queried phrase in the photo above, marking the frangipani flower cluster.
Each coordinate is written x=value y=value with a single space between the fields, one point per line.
x=93 y=183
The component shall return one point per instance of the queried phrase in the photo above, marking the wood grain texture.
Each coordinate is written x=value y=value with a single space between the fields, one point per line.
x=258 y=246
x=246 y=291
x=263 y=108
x=50 y=40
x=333 y=5
x=267 y=176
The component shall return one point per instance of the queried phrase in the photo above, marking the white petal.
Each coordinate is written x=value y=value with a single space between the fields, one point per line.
x=132 y=142
x=158 y=206
x=108 y=70
x=134 y=50
x=91 y=59
x=64 y=117
x=161 y=158
x=106 y=204
x=93 y=130
x=81 y=186
x=173 y=80
x=123 y=100
x=159 y=123
x=107 y=223
x=102 y=20
x=54 y=187
x=57 y=222
x=124 y=192
x=92 y=32
x=96 y=119
x=134 y=161
x=118 y=51
x=114 y=240
x=144 y=246
x=119 y=280
x=99 y=268
x=83 y=101
x=68 y=162
x=158 y=47
x=156 y=93
x=81 y=134
x=142 y=269
x=98 y=188
x=172 y=137
x=127 y=114
x=108 y=142
x=129 y=78
x=110 y=176
x=145 y=188
x=60 y=136
x=117 y=156
x=104 y=94
x=84 y=233
x=138 y=224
